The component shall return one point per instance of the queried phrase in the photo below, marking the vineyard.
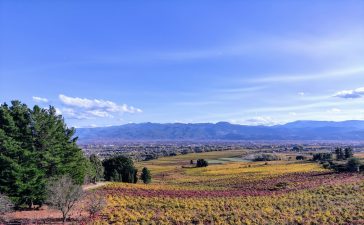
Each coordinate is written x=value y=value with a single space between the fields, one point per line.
x=236 y=192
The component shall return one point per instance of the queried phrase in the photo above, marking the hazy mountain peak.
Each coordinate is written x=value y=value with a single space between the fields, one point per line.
x=298 y=130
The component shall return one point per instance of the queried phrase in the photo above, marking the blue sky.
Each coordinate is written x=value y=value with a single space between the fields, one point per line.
x=106 y=63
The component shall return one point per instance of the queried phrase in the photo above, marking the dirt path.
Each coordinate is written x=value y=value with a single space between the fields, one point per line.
x=94 y=186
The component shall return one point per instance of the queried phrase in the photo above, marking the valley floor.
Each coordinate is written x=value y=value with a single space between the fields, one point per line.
x=236 y=192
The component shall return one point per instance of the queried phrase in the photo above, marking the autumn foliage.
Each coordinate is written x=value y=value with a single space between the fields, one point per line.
x=239 y=193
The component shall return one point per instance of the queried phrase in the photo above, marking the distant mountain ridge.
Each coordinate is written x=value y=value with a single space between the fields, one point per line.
x=224 y=131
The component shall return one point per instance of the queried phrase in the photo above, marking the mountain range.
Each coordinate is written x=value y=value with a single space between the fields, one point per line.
x=352 y=130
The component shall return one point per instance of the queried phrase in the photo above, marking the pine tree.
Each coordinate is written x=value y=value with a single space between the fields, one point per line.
x=135 y=179
x=146 y=176
x=97 y=169
x=339 y=154
x=34 y=146
x=348 y=153
x=21 y=178
x=119 y=168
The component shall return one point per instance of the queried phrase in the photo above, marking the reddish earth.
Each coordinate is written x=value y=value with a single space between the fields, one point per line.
x=45 y=215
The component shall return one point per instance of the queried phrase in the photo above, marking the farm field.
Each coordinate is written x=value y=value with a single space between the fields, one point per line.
x=236 y=192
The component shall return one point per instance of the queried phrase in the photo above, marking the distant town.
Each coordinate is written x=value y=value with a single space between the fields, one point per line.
x=144 y=151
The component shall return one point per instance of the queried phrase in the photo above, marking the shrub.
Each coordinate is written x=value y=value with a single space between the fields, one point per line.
x=202 y=163
x=300 y=157
x=62 y=194
x=322 y=156
x=353 y=165
x=326 y=165
x=339 y=167
x=94 y=204
x=5 y=204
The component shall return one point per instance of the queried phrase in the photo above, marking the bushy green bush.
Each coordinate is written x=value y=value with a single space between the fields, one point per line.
x=202 y=163
x=300 y=157
x=326 y=165
x=353 y=165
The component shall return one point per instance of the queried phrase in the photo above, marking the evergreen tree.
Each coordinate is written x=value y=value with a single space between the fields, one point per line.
x=135 y=180
x=348 y=153
x=34 y=146
x=146 y=177
x=120 y=168
x=339 y=154
x=97 y=170
x=323 y=156
x=20 y=177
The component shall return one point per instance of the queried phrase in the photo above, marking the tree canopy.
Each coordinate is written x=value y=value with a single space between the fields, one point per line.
x=35 y=144
x=120 y=168
x=146 y=177
x=96 y=170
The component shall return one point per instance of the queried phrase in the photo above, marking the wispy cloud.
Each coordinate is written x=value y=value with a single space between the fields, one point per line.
x=300 y=107
x=328 y=47
x=321 y=46
x=355 y=93
x=39 y=99
x=354 y=71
